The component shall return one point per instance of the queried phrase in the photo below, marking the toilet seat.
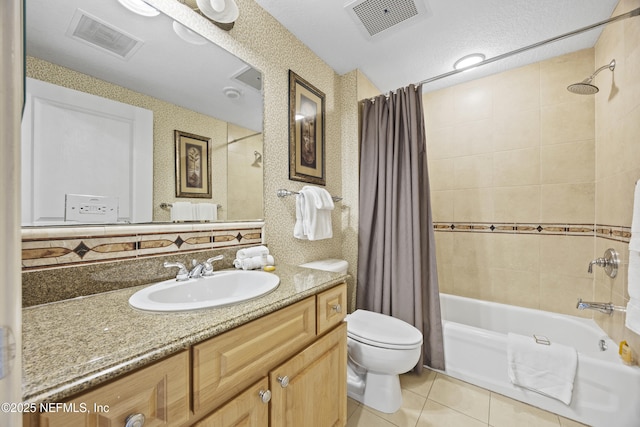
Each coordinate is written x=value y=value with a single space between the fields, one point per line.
x=380 y=330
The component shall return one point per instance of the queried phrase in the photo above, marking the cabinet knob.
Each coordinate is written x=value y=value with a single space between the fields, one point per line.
x=134 y=420
x=337 y=308
x=284 y=381
x=265 y=395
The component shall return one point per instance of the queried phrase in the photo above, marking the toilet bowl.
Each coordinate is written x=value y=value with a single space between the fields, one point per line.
x=379 y=348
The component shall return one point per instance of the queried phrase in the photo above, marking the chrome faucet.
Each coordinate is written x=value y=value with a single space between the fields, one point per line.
x=203 y=269
x=602 y=307
x=183 y=273
x=609 y=261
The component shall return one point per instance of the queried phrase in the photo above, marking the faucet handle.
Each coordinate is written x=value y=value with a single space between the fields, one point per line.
x=208 y=267
x=183 y=273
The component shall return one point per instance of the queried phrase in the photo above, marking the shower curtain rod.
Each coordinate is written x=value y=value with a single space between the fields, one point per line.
x=635 y=12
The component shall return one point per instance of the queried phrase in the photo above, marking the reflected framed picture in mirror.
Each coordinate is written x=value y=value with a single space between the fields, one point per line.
x=193 y=165
x=306 y=131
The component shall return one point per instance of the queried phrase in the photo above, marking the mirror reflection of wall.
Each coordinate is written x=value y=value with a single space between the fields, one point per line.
x=244 y=148
x=183 y=84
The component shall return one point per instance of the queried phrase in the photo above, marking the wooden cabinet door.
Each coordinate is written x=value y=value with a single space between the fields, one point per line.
x=160 y=392
x=229 y=363
x=314 y=392
x=331 y=307
x=247 y=409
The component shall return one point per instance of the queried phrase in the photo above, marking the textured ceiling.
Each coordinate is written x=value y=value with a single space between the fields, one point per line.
x=428 y=46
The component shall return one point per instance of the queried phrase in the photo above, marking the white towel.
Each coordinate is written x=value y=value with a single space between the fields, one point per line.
x=298 y=228
x=545 y=369
x=253 y=262
x=633 y=276
x=634 y=243
x=205 y=212
x=316 y=213
x=181 y=211
x=251 y=252
x=632 y=319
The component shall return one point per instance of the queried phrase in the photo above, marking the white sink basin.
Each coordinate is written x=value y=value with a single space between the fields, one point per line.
x=223 y=288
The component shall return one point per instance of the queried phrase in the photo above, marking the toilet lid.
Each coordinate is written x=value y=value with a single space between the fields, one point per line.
x=381 y=330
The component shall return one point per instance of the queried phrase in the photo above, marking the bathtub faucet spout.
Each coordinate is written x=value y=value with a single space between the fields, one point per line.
x=602 y=307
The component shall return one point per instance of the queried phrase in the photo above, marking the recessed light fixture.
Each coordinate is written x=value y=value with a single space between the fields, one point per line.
x=140 y=7
x=231 y=92
x=468 y=60
x=187 y=35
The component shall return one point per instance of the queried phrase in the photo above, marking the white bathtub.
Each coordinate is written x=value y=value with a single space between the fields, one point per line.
x=606 y=392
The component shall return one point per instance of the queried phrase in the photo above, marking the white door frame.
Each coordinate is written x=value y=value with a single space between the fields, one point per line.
x=11 y=98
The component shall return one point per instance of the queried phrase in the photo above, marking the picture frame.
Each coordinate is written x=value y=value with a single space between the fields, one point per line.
x=306 y=131
x=193 y=165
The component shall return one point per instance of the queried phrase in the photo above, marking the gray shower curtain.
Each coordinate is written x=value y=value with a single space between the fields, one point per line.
x=396 y=250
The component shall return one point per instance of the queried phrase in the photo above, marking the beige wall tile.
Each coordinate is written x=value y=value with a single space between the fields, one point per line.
x=514 y=129
x=442 y=203
x=570 y=121
x=517 y=204
x=517 y=90
x=440 y=143
x=473 y=101
x=474 y=137
x=516 y=167
x=559 y=293
x=473 y=171
x=571 y=203
x=441 y=174
x=567 y=256
x=571 y=162
x=515 y=287
x=515 y=251
x=558 y=73
x=474 y=205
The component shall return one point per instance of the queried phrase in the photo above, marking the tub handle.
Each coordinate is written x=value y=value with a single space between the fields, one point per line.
x=541 y=339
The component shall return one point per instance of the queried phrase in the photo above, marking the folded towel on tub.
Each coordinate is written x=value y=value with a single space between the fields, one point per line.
x=546 y=369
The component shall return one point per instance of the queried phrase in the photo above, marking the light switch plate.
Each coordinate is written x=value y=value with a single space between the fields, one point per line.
x=93 y=209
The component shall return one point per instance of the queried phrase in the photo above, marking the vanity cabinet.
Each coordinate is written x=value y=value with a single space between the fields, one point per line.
x=287 y=368
x=160 y=392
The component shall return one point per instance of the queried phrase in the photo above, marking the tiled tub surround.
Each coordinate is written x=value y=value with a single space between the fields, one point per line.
x=73 y=345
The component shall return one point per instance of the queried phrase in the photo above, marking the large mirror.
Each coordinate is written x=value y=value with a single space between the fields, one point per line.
x=189 y=84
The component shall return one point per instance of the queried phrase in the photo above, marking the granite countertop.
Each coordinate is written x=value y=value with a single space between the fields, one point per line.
x=70 y=346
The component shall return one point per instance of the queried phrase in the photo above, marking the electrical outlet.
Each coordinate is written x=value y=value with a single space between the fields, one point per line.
x=94 y=209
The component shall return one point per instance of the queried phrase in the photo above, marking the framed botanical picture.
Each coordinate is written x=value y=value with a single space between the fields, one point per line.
x=306 y=131
x=193 y=165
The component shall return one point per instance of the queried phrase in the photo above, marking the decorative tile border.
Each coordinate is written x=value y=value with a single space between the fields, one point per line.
x=67 y=246
x=610 y=232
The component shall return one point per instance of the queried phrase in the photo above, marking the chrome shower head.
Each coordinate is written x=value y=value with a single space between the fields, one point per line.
x=585 y=87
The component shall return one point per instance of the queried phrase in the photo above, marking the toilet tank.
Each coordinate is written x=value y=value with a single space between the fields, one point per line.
x=335 y=265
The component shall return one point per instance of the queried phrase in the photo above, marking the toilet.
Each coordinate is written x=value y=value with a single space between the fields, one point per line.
x=379 y=349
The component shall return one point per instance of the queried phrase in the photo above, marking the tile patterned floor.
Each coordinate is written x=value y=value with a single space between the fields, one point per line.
x=436 y=400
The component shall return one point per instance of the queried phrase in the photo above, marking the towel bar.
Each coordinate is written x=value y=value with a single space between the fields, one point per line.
x=284 y=193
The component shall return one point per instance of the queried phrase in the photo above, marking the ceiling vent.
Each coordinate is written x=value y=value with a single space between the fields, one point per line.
x=376 y=16
x=250 y=77
x=91 y=30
